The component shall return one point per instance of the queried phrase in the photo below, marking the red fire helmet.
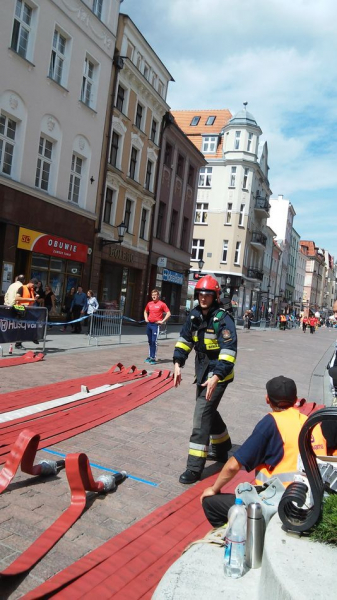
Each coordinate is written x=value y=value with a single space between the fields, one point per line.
x=208 y=284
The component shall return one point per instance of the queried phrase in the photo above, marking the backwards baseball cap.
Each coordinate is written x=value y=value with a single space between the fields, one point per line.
x=282 y=391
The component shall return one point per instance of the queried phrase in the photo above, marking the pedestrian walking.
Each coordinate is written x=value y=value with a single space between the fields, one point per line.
x=304 y=323
x=312 y=324
x=210 y=330
x=50 y=302
x=248 y=316
x=78 y=303
x=91 y=306
x=154 y=316
x=66 y=308
x=283 y=322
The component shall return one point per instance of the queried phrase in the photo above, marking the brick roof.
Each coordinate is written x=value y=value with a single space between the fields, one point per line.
x=184 y=118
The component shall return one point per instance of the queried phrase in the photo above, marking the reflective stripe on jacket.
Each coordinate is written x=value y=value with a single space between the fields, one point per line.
x=289 y=424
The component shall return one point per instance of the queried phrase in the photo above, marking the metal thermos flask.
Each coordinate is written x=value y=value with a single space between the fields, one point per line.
x=255 y=535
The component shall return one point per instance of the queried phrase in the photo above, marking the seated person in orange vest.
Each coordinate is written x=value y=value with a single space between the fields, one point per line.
x=272 y=449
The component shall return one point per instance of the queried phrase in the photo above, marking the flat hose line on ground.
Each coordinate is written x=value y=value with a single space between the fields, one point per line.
x=132 y=563
x=80 y=480
x=77 y=419
x=25 y=359
x=26 y=397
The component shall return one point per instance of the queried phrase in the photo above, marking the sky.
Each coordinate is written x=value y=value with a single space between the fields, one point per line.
x=277 y=55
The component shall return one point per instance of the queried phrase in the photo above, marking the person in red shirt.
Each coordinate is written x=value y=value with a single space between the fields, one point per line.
x=312 y=324
x=153 y=315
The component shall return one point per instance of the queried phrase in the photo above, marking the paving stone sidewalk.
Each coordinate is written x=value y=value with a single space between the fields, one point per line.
x=150 y=442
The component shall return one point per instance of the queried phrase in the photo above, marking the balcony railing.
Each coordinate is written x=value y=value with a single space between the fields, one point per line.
x=254 y=273
x=259 y=238
x=262 y=204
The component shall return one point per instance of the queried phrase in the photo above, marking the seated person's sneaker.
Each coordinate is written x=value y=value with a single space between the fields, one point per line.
x=189 y=477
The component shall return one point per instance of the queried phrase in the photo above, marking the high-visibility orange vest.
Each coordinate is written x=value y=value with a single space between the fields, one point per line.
x=289 y=423
x=26 y=293
x=283 y=318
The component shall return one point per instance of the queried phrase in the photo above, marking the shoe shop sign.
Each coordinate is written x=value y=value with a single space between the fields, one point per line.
x=35 y=241
x=27 y=328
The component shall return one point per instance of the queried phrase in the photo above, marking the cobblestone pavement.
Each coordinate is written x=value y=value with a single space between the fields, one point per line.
x=149 y=442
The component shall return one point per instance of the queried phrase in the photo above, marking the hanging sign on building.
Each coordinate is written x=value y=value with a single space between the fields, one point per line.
x=161 y=261
x=173 y=277
x=35 y=241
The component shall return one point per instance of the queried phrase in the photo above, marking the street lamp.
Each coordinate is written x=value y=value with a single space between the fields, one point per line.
x=201 y=265
x=121 y=228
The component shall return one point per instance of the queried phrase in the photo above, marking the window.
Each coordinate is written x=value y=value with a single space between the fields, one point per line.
x=120 y=98
x=128 y=215
x=139 y=116
x=44 y=163
x=184 y=234
x=148 y=177
x=190 y=177
x=224 y=250
x=233 y=176
x=168 y=155
x=229 y=213
x=114 y=148
x=195 y=121
x=75 y=179
x=143 y=224
x=209 y=144
x=133 y=162
x=205 y=177
x=210 y=120
x=88 y=82
x=109 y=193
x=237 y=253
x=160 y=221
x=97 y=8
x=198 y=247
x=245 y=178
x=249 y=143
x=7 y=144
x=237 y=140
x=146 y=71
x=201 y=212
x=242 y=214
x=174 y=219
x=57 y=57
x=153 y=134
x=180 y=166
x=21 y=28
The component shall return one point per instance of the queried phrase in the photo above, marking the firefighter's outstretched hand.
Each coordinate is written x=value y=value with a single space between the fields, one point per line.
x=211 y=385
x=177 y=374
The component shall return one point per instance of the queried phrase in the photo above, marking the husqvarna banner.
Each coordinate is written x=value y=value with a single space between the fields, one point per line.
x=28 y=326
x=35 y=241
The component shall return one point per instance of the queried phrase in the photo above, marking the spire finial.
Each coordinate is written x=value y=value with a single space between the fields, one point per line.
x=245 y=105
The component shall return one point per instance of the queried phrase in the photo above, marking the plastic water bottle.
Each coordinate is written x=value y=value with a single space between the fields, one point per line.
x=10 y=351
x=235 y=540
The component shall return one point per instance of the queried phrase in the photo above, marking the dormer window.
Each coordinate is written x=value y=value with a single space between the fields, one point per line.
x=210 y=120
x=195 y=121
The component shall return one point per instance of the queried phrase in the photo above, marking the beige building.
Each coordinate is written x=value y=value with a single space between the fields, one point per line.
x=314 y=276
x=139 y=92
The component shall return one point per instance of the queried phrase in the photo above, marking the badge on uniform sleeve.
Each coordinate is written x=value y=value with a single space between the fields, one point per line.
x=226 y=334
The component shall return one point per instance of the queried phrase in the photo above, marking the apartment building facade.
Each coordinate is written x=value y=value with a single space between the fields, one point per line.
x=133 y=130
x=232 y=203
x=314 y=276
x=281 y=219
x=56 y=69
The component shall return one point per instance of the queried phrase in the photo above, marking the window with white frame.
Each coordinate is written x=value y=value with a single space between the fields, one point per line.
x=97 y=8
x=237 y=253
x=153 y=135
x=161 y=88
x=237 y=140
x=108 y=205
x=143 y=223
x=114 y=148
x=201 y=212
x=205 y=177
x=120 y=98
x=75 y=179
x=88 y=82
x=133 y=163
x=44 y=164
x=149 y=174
x=146 y=71
x=242 y=214
x=245 y=179
x=7 y=144
x=233 y=177
x=139 y=116
x=198 y=247
x=22 y=28
x=249 y=143
x=57 y=58
x=229 y=213
x=209 y=144
x=224 y=250
x=128 y=215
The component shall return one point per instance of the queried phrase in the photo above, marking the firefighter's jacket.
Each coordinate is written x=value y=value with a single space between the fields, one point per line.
x=214 y=339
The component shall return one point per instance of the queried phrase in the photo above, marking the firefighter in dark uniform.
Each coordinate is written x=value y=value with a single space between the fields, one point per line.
x=210 y=330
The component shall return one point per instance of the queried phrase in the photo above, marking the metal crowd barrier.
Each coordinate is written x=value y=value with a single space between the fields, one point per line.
x=32 y=325
x=163 y=332
x=105 y=323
